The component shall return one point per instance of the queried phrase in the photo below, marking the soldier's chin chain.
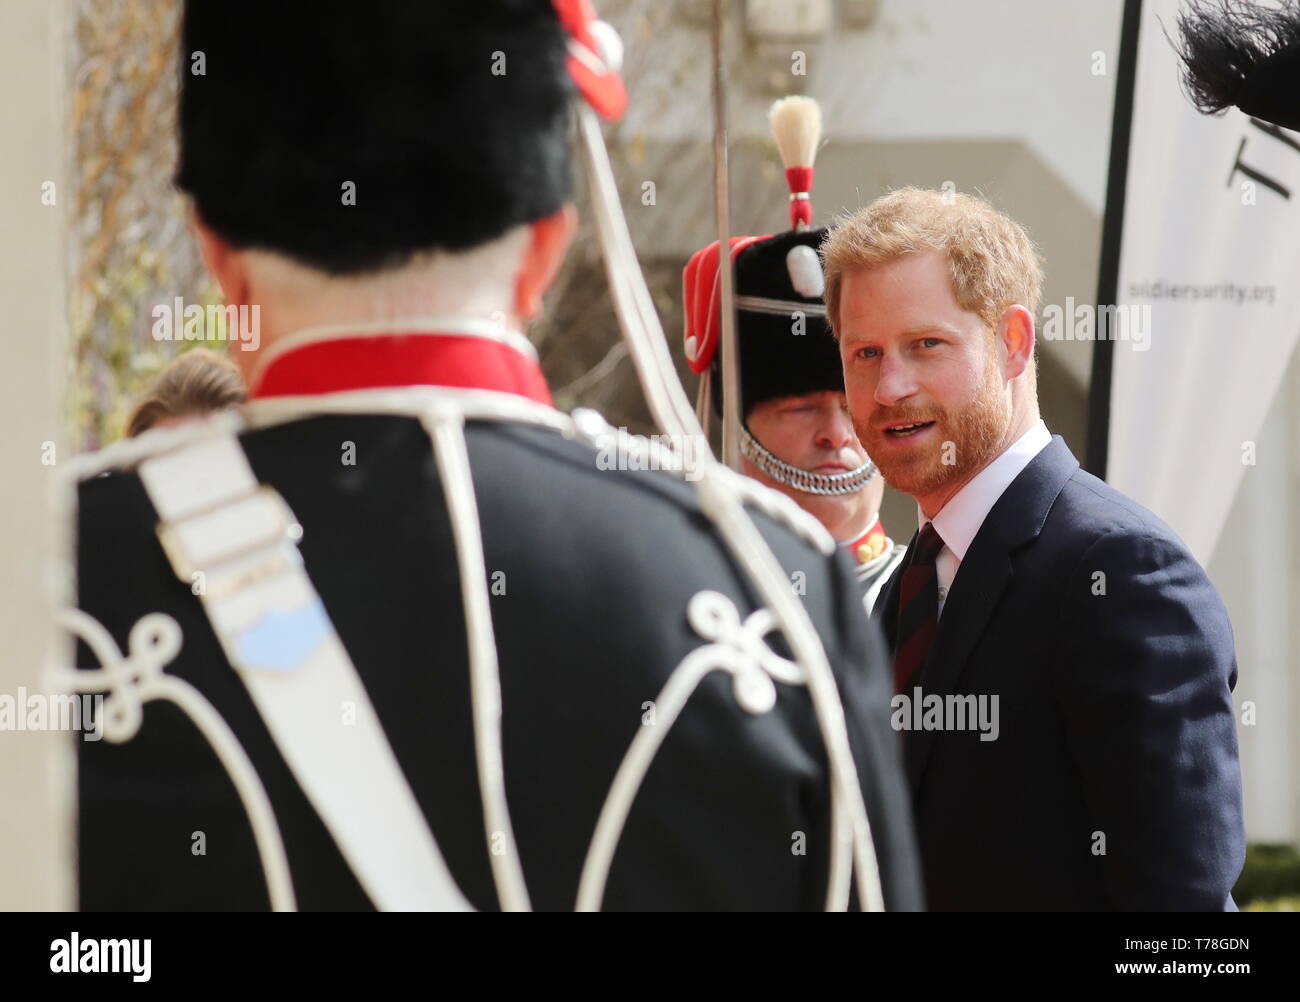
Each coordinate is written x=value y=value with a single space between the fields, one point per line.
x=848 y=482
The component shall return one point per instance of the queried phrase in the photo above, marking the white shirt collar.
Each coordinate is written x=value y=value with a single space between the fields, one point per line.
x=960 y=519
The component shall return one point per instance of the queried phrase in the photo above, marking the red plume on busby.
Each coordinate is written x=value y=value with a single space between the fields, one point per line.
x=594 y=58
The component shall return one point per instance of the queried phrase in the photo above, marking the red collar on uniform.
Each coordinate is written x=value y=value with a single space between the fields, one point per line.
x=373 y=361
x=869 y=545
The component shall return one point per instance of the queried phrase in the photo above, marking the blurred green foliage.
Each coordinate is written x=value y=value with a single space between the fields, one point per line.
x=1271 y=872
x=130 y=249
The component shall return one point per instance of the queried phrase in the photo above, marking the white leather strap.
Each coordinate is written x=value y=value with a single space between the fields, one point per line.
x=233 y=541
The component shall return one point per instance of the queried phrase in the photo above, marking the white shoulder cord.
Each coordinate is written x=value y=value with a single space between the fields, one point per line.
x=137 y=678
x=129 y=452
x=634 y=307
x=668 y=403
x=446 y=427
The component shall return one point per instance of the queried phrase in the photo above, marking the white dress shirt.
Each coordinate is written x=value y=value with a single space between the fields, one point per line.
x=960 y=519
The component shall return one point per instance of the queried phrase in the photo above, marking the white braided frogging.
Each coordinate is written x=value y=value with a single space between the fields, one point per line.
x=135 y=679
x=723 y=504
x=737 y=648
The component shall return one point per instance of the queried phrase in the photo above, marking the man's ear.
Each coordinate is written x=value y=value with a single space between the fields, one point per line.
x=1016 y=338
x=225 y=263
x=547 y=244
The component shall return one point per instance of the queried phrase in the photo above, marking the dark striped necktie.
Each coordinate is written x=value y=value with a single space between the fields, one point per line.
x=918 y=608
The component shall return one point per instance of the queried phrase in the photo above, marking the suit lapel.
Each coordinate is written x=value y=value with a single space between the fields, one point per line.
x=984 y=574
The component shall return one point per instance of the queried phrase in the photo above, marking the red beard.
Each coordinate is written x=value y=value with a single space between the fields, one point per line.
x=959 y=445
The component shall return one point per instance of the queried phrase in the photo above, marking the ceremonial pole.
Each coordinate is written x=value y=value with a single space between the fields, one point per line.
x=722 y=211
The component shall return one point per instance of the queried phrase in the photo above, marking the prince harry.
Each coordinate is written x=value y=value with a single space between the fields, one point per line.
x=1114 y=781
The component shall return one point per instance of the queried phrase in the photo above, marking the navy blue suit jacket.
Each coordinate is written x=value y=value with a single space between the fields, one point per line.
x=1113 y=782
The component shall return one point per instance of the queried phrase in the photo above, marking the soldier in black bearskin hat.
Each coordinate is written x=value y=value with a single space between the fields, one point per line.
x=795 y=432
x=394 y=638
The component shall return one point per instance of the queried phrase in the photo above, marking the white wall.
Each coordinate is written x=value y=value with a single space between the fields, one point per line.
x=1256 y=567
x=35 y=767
x=924 y=69
x=927 y=92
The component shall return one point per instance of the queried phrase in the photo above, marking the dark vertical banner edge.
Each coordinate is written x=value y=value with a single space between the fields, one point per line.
x=1103 y=354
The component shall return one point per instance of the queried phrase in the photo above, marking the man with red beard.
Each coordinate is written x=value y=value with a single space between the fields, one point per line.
x=1109 y=776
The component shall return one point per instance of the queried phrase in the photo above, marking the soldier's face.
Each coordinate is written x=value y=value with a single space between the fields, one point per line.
x=926 y=388
x=814 y=432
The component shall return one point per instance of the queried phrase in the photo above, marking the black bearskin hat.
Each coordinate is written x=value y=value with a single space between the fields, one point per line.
x=786 y=347
x=448 y=121
x=1243 y=54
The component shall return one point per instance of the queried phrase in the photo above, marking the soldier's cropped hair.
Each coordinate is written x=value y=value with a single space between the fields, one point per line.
x=351 y=136
x=992 y=261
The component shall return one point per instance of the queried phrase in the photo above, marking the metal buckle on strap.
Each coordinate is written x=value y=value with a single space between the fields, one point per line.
x=214 y=537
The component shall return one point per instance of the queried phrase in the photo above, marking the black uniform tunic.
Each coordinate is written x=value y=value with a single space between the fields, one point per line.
x=593 y=571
